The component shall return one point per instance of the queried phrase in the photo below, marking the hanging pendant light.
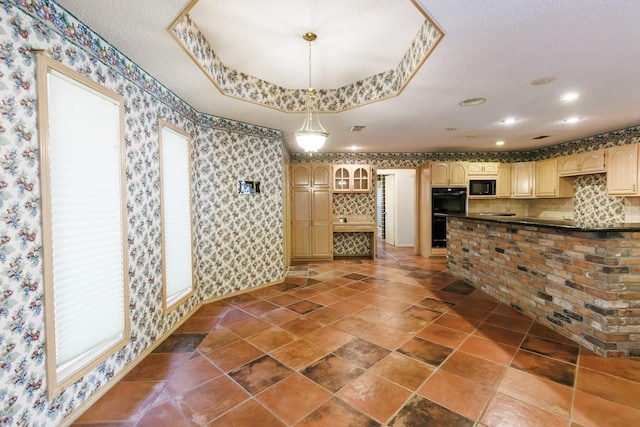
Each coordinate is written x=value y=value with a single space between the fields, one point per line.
x=311 y=136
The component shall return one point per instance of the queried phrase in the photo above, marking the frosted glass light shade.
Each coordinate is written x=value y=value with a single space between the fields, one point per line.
x=311 y=136
x=311 y=141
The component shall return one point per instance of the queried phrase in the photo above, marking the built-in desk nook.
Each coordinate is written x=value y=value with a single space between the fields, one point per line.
x=350 y=230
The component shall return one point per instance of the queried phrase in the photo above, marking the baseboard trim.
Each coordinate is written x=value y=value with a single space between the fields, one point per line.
x=84 y=406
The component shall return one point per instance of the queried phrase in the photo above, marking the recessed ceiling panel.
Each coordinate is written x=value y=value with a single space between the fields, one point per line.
x=356 y=38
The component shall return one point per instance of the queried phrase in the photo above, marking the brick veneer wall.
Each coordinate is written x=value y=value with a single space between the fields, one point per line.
x=584 y=285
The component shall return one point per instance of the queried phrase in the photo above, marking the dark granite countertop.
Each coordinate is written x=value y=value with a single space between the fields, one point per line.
x=552 y=223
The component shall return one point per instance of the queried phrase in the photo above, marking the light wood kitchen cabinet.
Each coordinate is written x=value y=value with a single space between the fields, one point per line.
x=449 y=174
x=483 y=169
x=622 y=170
x=503 y=182
x=547 y=181
x=310 y=175
x=522 y=180
x=352 y=178
x=582 y=163
x=311 y=212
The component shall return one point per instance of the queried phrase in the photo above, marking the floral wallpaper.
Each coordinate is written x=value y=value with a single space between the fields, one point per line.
x=243 y=86
x=590 y=199
x=348 y=244
x=389 y=160
x=353 y=204
x=593 y=205
x=239 y=240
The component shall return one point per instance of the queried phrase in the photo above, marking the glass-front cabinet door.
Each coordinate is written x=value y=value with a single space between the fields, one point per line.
x=351 y=178
x=361 y=180
x=341 y=179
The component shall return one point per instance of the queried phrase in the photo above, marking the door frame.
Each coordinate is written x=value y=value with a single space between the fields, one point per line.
x=416 y=201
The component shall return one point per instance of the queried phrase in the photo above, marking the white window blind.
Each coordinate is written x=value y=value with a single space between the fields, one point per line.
x=85 y=265
x=176 y=215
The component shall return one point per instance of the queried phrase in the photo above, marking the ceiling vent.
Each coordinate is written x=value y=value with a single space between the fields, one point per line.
x=541 y=137
x=357 y=128
x=542 y=81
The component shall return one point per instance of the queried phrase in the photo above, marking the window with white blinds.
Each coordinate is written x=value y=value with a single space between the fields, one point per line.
x=83 y=220
x=175 y=185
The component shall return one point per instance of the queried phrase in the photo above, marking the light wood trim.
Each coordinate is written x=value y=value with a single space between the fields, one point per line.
x=424 y=241
x=418 y=185
x=192 y=3
x=286 y=210
x=43 y=64
x=162 y=123
x=85 y=405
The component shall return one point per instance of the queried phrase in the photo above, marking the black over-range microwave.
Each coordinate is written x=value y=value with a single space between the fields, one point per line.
x=482 y=187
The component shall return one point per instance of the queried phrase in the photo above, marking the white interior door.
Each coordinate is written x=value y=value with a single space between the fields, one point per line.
x=390 y=209
x=379 y=210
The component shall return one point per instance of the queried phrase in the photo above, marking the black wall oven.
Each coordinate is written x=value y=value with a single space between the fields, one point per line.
x=445 y=201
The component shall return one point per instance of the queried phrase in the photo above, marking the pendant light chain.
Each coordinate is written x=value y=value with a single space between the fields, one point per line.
x=310 y=86
x=310 y=37
x=311 y=136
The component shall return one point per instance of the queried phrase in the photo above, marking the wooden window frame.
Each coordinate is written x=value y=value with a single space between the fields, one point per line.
x=167 y=305
x=58 y=380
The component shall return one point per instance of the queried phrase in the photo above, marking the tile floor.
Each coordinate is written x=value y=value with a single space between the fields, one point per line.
x=396 y=341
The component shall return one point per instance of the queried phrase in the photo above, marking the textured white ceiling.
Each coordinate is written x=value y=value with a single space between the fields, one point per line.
x=492 y=49
x=366 y=38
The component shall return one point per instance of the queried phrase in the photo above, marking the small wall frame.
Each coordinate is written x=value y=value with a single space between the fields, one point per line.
x=248 y=187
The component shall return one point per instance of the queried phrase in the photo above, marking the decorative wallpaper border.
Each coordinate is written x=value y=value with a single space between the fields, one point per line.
x=243 y=86
x=605 y=140
x=231 y=231
x=82 y=36
x=218 y=145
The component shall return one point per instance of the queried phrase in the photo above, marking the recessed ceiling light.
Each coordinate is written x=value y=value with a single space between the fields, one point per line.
x=451 y=129
x=569 y=96
x=542 y=81
x=509 y=121
x=472 y=102
x=499 y=142
x=353 y=147
x=357 y=128
x=572 y=120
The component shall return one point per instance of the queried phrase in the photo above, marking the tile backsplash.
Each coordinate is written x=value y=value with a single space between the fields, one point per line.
x=590 y=204
x=632 y=209
x=518 y=207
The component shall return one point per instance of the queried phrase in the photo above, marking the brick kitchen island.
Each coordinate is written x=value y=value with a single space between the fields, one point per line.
x=581 y=281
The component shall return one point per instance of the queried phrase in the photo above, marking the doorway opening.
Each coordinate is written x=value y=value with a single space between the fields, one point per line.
x=396 y=206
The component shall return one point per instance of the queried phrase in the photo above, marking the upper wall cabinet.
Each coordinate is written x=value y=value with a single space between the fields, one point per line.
x=310 y=175
x=448 y=174
x=522 y=180
x=352 y=178
x=503 y=182
x=548 y=183
x=622 y=170
x=483 y=169
x=582 y=163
